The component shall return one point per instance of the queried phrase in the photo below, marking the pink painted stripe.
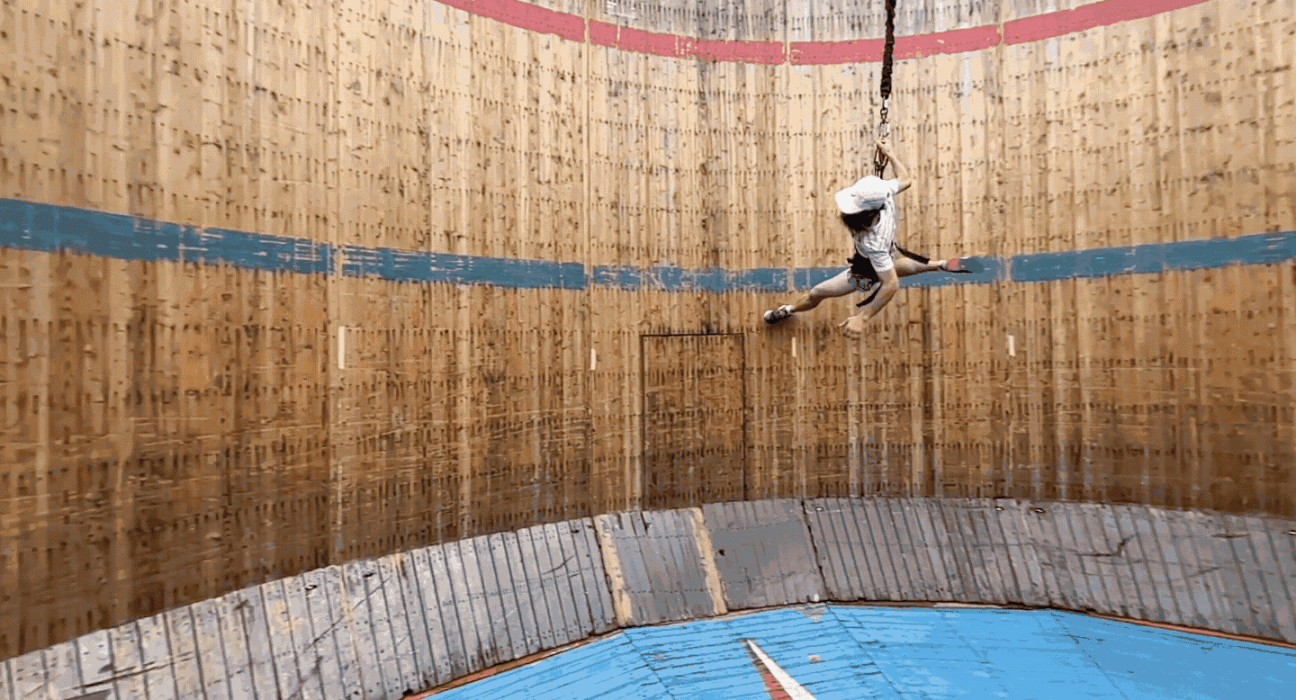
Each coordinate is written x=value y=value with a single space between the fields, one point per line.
x=1099 y=14
x=524 y=15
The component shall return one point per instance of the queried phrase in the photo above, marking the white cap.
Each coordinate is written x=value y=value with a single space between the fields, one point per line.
x=867 y=193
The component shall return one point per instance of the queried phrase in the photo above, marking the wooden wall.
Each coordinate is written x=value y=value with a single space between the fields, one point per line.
x=177 y=426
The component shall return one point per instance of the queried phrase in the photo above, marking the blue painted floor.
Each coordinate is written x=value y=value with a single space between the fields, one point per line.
x=840 y=652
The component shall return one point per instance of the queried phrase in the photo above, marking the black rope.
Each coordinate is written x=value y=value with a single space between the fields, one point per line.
x=888 y=52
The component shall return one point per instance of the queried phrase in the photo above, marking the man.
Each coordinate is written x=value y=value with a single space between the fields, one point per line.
x=868 y=209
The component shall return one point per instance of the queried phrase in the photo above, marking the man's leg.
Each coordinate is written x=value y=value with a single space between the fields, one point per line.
x=906 y=265
x=837 y=286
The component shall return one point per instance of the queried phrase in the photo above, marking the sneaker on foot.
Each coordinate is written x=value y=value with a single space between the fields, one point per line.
x=775 y=315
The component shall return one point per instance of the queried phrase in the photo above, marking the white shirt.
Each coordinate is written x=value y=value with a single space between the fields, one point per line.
x=875 y=243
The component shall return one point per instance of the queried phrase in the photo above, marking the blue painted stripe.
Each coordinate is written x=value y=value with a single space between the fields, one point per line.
x=45 y=227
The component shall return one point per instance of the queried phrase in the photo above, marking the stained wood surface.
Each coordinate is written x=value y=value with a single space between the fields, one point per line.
x=287 y=394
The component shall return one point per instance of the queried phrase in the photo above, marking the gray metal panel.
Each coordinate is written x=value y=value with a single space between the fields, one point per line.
x=1152 y=549
x=1282 y=538
x=320 y=656
x=415 y=622
x=646 y=568
x=29 y=679
x=737 y=586
x=94 y=651
x=1070 y=527
x=1027 y=559
x=1036 y=522
x=561 y=581
x=926 y=553
x=607 y=621
x=952 y=555
x=403 y=655
x=914 y=549
x=857 y=578
x=183 y=651
x=1109 y=553
x=430 y=607
x=805 y=566
x=990 y=535
x=1122 y=537
x=887 y=535
x=279 y=625
x=661 y=600
x=61 y=671
x=1179 y=527
x=571 y=572
x=927 y=519
x=471 y=608
x=748 y=555
x=1214 y=572
x=155 y=655
x=449 y=612
x=305 y=648
x=1279 y=615
x=512 y=615
x=1260 y=607
x=479 y=567
x=545 y=565
x=238 y=661
x=539 y=605
x=876 y=550
x=778 y=577
x=591 y=582
x=826 y=549
x=1091 y=539
x=362 y=633
x=344 y=636
x=686 y=581
x=1022 y=555
x=526 y=609
x=976 y=578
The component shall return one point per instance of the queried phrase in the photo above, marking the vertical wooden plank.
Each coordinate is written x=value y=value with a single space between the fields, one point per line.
x=526 y=614
x=155 y=656
x=363 y=639
x=403 y=653
x=1119 y=552
x=642 y=576
x=95 y=660
x=471 y=620
x=719 y=517
x=1236 y=583
x=233 y=637
x=1023 y=549
x=989 y=537
x=315 y=637
x=456 y=644
x=660 y=533
x=345 y=635
x=698 y=561
x=976 y=575
x=876 y=554
x=1034 y=521
x=1218 y=572
x=62 y=672
x=857 y=575
x=605 y=527
x=703 y=551
x=572 y=569
x=927 y=521
x=512 y=613
x=952 y=559
x=433 y=623
x=7 y=686
x=184 y=652
x=470 y=569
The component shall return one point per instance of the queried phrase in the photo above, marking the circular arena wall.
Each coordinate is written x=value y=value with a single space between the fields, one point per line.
x=288 y=288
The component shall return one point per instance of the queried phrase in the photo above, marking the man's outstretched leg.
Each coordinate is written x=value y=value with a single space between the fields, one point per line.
x=837 y=286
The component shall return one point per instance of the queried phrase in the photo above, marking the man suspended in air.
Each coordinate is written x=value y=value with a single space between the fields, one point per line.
x=868 y=209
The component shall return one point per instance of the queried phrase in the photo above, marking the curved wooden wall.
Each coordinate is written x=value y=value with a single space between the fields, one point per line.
x=382 y=629
x=285 y=286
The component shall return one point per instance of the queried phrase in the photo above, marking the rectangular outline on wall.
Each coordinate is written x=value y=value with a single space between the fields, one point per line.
x=643 y=411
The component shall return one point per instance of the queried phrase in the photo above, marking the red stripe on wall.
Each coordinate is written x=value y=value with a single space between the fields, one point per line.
x=524 y=15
